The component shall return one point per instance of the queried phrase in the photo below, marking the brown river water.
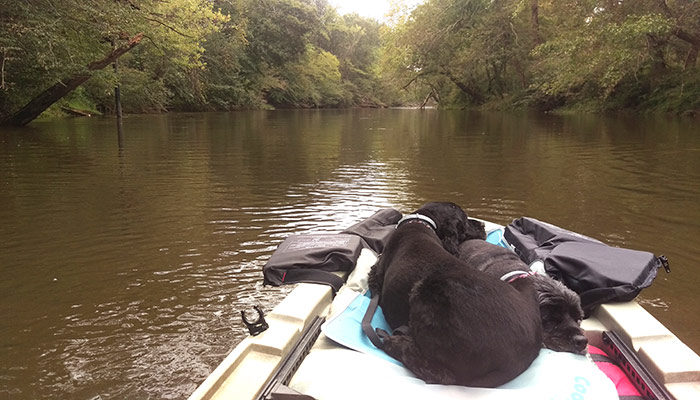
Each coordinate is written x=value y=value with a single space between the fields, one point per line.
x=124 y=270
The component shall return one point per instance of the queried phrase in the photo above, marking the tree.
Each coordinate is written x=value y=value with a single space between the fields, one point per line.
x=614 y=52
x=312 y=81
x=49 y=96
x=355 y=41
x=55 y=40
x=476 y=45
x=546 y=53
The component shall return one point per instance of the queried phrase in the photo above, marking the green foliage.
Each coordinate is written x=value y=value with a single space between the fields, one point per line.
x=278 y=30
x=195 y=55
x=54 y=40
x=355 y=42
x=674 y=94
x=614 y=56
x=233 y=54
x=547 y=53
x=479 y=46
x=600 y=55
x=312 y=81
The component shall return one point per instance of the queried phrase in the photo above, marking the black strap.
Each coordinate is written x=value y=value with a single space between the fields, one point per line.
x=366 y=322
x=602 y=358
x=314 y=276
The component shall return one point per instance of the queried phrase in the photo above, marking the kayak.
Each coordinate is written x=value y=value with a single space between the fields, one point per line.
x=313 y=348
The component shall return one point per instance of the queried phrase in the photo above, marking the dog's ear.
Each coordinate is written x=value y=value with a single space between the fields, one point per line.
x=451 y=244
x=452 y=223
x=475 y=230
x=459 y=230
x=549 y=291
x=453 y=233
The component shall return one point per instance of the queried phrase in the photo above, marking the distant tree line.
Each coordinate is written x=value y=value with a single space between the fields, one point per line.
x=242 y=54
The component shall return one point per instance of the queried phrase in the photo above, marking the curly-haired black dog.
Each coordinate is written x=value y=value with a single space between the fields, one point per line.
x=560 y=307
x=407 y=257
x=465 y=327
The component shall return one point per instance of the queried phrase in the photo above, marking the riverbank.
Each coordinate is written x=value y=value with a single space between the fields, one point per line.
x=680 y=99
x=63 y=109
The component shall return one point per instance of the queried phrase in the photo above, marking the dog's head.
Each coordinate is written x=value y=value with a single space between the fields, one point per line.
x=560 y=308
x=453 y=225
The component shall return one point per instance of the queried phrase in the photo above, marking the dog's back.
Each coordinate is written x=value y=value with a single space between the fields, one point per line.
x=560 y=307
x=409 y=256
x=490 y=258
x=415 y=250
x=465 y=326
x=472 y=328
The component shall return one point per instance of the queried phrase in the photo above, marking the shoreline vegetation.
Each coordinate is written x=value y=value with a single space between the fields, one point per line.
x=215 y=55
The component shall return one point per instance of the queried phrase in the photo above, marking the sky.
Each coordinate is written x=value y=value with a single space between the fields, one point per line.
x=367 y=8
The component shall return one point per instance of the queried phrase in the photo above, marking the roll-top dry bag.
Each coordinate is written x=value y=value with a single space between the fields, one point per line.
x=597 y=272
x=314 y=258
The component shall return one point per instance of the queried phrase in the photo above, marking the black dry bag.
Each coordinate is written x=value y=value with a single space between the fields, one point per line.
x=597 y=272
x=313 y=258
x=377 y=229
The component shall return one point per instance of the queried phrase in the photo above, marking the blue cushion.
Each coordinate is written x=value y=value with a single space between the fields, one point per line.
x=346 y=328
x=496 y=237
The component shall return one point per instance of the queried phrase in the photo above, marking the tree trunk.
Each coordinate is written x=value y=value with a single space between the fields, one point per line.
x=56 y=92
x=658 y=65
x=691 y=58
x=470 y=90
x=691 y=38
x=430 y=94
x=694 y=41
x=521 y=73
x=535 y=21
x=118 y=103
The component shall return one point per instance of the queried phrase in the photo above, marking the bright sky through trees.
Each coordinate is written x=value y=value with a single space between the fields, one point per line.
x=367 y=8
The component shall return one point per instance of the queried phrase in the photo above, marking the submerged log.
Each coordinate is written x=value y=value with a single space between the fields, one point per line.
x=76 y=112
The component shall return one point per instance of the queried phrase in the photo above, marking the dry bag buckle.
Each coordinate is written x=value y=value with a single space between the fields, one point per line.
x=664 y=262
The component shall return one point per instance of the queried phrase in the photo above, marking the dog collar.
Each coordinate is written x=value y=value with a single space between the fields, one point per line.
x=514 y=275
x=418 y=218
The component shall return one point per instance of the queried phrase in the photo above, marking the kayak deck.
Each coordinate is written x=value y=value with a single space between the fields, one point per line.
x=245 y=372
x=670 y=361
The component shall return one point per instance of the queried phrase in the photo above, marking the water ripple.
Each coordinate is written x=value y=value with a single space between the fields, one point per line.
x=125 y=272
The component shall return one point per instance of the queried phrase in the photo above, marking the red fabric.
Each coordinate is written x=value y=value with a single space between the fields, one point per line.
x=622 y=383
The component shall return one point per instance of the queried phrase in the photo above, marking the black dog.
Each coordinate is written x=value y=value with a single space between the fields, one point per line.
x=442 y=225
x=465 y=327
x=560 y=307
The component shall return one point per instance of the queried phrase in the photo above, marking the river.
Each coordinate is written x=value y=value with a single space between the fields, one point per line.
x=124 y=270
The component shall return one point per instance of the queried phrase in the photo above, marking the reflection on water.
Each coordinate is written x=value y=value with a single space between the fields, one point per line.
x=124 y=272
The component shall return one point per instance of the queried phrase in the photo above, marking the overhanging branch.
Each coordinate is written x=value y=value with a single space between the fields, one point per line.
x=56 y=92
